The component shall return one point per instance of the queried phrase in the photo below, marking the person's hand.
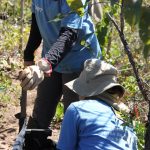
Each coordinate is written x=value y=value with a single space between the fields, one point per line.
x=28 y=63
x=33 y=75
x=30 y=77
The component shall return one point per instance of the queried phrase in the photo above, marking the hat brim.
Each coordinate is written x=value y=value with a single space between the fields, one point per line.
x=87 y=89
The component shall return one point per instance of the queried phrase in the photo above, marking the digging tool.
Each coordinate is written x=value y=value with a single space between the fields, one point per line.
x=23 y=121
x=22 y=116
x=20 y=140
x=23 y=104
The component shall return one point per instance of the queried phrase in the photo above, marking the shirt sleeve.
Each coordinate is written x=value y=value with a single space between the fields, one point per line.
x=34 y=40
x=68 y=134
x=62 y=46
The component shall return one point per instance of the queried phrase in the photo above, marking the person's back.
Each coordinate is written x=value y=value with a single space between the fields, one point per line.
x=97 y=128
x=92 y=123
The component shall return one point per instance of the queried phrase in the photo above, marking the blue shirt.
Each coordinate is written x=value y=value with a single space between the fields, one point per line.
x=93 y=125
x=86 y=46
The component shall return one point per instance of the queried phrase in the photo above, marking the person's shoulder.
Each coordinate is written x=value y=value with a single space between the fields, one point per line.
x=78 y=104
x=84 y=103
x=91 y=104
x=87 y=102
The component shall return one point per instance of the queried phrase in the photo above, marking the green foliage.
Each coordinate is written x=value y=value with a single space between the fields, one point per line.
x=132 y=11
x=76 y=6
x=136 y=13
x=104 y=27
x=9 y=43
x=59 y=17
x=9 y=32
x=12 y=9
x=102 y=31
x=136 y=124
x=130 y=84
x=4 y=82
x=140 y=131
x=113 y=52
x=59 y=112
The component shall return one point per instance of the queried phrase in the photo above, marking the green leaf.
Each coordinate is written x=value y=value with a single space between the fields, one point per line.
x=57 y=18
x=102 y=31
x=59 y=112
x=76 y=6
x=132 y=11
x=85 y=43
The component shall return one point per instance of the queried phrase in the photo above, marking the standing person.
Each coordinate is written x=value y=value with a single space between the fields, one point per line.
x=67 y=43
x=92 y=123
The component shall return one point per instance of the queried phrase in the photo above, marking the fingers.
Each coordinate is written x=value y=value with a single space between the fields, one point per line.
x=26 y=78
x=27 y=83
x=38 y=78
x=31 y=77
x=24 y=73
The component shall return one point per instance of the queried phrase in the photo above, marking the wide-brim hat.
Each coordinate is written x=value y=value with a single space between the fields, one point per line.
x=96 y=77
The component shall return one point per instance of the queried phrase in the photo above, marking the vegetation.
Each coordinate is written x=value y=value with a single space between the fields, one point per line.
x=132 y=18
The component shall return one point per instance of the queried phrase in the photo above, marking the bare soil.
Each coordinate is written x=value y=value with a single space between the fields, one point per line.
x=9 y=124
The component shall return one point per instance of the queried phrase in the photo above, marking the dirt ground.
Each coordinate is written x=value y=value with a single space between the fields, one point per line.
x=9 y=124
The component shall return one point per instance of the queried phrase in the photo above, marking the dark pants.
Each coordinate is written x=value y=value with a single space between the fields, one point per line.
x=49 y=93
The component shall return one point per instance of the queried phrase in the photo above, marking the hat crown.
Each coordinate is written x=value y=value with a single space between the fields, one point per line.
x=95 y=68
x=96 y=78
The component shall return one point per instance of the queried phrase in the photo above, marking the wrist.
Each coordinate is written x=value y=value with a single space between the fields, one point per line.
x=45 y=66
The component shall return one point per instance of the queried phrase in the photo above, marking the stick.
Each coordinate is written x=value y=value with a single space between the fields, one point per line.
x=23 y=104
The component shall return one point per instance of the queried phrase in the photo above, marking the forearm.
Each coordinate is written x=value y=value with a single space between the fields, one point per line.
x=33 y=41
x=62 y=46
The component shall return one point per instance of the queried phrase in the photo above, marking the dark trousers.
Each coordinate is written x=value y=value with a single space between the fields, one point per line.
x=49 y=93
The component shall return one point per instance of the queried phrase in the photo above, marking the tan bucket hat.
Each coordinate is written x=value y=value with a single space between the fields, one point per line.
x=96 y=77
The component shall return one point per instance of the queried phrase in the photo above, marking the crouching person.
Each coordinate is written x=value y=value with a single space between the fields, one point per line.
x=92 y=123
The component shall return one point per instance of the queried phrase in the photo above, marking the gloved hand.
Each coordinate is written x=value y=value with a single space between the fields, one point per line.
x=33 y=75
